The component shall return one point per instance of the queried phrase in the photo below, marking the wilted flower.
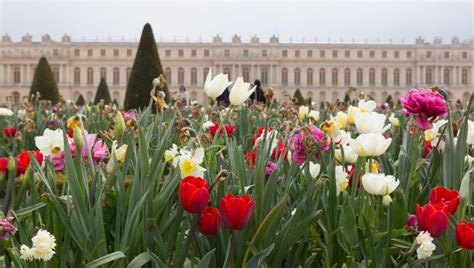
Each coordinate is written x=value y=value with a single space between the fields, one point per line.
x=371 y=144
x=240 y=92
x=426 y=104
x=306 y=141
x=51 y=143
x=215 y=87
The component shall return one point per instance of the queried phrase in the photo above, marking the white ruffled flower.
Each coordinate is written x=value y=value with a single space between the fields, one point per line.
x=42 y=249
x=240 y=92
x=5 y=112
x=380 y=184
x=190 y=162
x=425 y=245
x=370 y=122
x=214 y=87
x=371 y=144
x=51 y=143
x=26 y=253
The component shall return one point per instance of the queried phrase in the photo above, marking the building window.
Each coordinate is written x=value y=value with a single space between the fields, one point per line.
x=227 y=53
x=429 y=76
x=206 y=71
x=309 y=54
x=129 y=72
x=384 y=54
x=446 y=76
x=116 y=76
x=334 y=77
x=428 y=54
x=103 y=73
x=297 y=76
x=322 y=54
x=360 y=76
x=309 y=77
x=90 y=76
x=193 y=76
x=168 y=75
x=246 y=53
x=297 y=53
x=116 y=52
x=180 y=53
x=206 y=52
x=264 y=53
x=464 y=76
x=464 y=55
x=334 y=54
x=180 y=76
x=168 y=53
x=77 y=76
x=408 y=77
x=284 y=76
x=408 y=54
x=77 y=52
x=372 y=77
x=322 y=76
x=396 y=54
x=89 y=52
x=16 y=75
x=359 y=54
x=396 y=77
x=446 y=55
x=55 y=52
x=102 y=52
x=228 y=72
x=284 y=53
x=372 y=54
x=193 y=53
x=384 y=77
x=56 y=74
x=347 y=76
x=246 y=74
x=264 y=75
x=129 y=52
x=347 y=54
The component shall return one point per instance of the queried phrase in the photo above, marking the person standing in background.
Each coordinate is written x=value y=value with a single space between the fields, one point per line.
x=258 y=95
x=181 y=97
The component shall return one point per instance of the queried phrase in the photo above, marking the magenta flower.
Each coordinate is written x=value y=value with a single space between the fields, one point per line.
x=270 y=167
x=426 y=104
x=6 y=228
x=130 y=115
x=307 y=140
x=58 y=161
x=97 y=147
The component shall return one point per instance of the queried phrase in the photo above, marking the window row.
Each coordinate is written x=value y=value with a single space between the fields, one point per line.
x=103 y=52
x=103 y=74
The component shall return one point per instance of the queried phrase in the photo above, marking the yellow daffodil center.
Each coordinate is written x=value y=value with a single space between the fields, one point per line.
x=343 y=185
x=168 y=156
x=55 y=150
x=187 y=166
x=363 y=109
x=73 y=122
x=327 y=126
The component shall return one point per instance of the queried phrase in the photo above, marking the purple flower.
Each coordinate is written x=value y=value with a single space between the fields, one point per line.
x=98 y=148
x=58 y=161
x=270 y=167
x=6 y=228
x=426 y=104
x=130 y=115
x=412 y=220
x=303 y=144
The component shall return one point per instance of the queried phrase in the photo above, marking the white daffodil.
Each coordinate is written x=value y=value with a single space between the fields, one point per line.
x=214 y=87
x=5 y=112
x=393 y=120
x=303 y=112
x=51 y=143
x=240 y=92
x=380 y=184
x=367 y=106
x=426 y=247
x=190 y=162
x=370 y=122
x=118 y=155
x=371 y=144
x=206 y=125
x=341 y=179
x=42 y=249
x=434 y=133
x=314 y=115
x=171 y=155
x=470 y=132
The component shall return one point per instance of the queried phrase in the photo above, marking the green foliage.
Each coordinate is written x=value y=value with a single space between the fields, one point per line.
x=146 y=67
x=102 y=92
x=298 y=98
x=80 y=101
x=44 y=82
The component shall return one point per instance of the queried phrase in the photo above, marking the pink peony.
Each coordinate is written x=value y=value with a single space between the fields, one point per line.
x=426 y=104
x=304 y=145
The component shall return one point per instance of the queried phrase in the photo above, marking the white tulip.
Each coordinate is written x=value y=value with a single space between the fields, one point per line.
x=314 y=169
x=303 y=112
x=367 y=106
x=370 y=122
x=371 y=144
x=216 y=86
x=51 y=143
x=240 y=92
x=470 y=132
x=350 y=156
x=5 y=112
x=314 y=115
x=342 y=119
x=380 y=184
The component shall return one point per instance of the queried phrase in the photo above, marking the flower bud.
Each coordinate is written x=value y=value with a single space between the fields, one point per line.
x=78 y=139
x=119 y=125
x=11 y=164
x=386 y=200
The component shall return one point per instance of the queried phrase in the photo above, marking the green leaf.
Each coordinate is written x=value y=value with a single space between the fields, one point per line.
x=106 y=259
x=258 y=259
x=139 y=260
x=205 y=261
x=24 y=211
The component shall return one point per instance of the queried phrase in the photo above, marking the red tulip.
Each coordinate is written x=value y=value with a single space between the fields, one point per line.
x=432 y=218
x=450 y=198
x=351 y=176
x=465 y=235
x=259 y=133
x=194 y=194
x=251 y=157
x=10 y=132
x=70 y=133
x=428 y=149
x=278 y=151
x=209 y=221
x=23 y=160
x=3 y=164
x=236 y=210
x=228 y=128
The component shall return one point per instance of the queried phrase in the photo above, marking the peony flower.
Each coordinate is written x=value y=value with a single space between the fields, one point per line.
x=240 y=92
x=380 y=184
x=5 y=112
x=307 y=140
x=189 y=163
x=51 y=143
x=171 y=155
x=425 y=245
x=426 y=104
x=370 y=122
x=371 y=144
x=303 y=112
x=215 y=87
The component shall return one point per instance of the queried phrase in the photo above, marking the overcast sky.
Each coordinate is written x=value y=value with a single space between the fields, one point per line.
x=290 y=20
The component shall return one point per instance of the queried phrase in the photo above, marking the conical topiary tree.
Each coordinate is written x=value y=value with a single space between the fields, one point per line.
x=80 y=101
x=298 y=98
x=146 y=67
x=44 y=82
x=102 y=92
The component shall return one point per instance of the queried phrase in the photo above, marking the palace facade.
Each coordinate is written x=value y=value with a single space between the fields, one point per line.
x=322 y=71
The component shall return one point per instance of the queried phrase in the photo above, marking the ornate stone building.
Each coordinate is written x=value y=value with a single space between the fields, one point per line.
x=322 y=72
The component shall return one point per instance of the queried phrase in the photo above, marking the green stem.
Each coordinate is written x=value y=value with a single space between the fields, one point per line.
x=233 y=256
x=187 y=242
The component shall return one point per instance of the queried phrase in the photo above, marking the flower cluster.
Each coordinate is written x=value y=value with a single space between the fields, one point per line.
x=42 y=249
